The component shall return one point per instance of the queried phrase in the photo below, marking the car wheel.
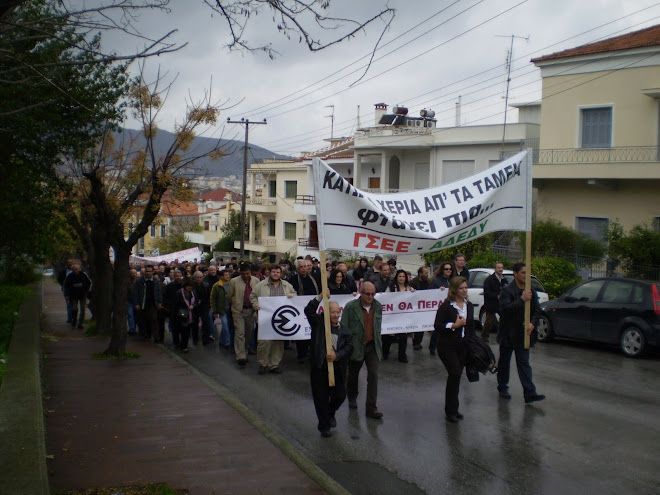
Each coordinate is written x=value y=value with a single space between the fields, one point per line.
x=633 y=342
x=544 y=329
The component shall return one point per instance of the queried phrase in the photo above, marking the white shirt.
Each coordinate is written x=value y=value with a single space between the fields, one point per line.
x=462 y=313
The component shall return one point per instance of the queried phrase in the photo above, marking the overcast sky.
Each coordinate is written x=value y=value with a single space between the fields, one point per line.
x=465 y=55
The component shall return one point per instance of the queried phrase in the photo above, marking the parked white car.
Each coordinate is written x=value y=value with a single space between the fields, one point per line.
x=476 y=290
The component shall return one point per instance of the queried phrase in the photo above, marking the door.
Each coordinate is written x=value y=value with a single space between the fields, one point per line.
x=573 y=315
x=313 y=234
x=374 y=182
x=620 y=298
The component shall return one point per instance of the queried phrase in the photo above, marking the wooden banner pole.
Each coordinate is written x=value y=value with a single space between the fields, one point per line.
x=326 y=317
x=528 y=285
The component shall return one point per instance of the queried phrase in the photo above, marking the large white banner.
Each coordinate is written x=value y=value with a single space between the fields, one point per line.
x=283 y=318
x=499 y=198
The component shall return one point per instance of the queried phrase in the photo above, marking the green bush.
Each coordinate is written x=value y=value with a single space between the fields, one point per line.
x=469 y=249
x=487 y=259
x=550 y=236
x=11 y=298
x=636 y=250
x=556 y=275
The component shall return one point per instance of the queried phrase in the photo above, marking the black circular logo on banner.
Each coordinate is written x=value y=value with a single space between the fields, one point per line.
x=282 y=321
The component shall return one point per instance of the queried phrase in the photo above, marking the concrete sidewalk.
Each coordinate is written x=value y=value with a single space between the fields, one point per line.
x=153 y=419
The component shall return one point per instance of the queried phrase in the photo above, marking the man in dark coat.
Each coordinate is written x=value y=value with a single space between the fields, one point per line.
x=493 y=285
x=149 y=300
x=511 y=334
x=202 y=309
x=328 y=399
x=420 y=282
x=305 y=285
x=459 y=267
x=76 y=287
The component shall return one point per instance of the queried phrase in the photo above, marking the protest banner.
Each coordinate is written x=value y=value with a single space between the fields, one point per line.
x=283 y=318
x=185 y=255
x=422 y=221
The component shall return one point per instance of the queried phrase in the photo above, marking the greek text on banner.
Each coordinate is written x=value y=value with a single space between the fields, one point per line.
x=283 y=318
x=421 y=221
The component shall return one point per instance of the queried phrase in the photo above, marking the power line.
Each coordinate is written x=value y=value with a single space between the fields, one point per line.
x=495 y=67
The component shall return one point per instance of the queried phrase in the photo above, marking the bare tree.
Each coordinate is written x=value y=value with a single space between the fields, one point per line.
x=293 y=19
x=130 y=178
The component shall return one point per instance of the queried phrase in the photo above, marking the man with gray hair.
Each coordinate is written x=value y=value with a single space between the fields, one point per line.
x=328 y=399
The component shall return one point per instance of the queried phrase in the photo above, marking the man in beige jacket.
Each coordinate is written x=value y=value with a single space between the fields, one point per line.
x=240 y=289
x=270 y=352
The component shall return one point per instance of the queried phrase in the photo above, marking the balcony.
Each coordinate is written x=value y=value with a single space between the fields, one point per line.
x=621 y=162
x=308 y=243
x=305 y=204
x=262 y=205
x=258 y=245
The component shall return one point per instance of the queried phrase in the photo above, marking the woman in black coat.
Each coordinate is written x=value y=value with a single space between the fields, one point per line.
x=337 y=284
x=453 y=322
x=185 y=304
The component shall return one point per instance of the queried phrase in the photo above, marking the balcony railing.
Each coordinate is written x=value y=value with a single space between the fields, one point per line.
x=308 y=243
x=566 y=156
x=262 y=242
x=305 y=199
x=262 y=201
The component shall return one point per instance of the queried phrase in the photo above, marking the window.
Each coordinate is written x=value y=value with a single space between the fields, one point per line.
x=478 y=280
x=453 y=170
x=141 y=243
x=617 y=292
x=271 y=227
x=587 y=292
x=593 y=227
x=207 y=225
x=422 y=173
x=153 y=231
x=162 y=230
x=290 y=231
x=597 y=127
x=272 y=188
x=290 y=189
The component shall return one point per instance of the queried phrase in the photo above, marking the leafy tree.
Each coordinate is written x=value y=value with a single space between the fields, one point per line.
x=231 y=232
x=177 y=240
x=469 y=249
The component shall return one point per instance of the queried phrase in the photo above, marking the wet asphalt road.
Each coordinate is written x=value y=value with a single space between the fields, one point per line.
x=597 y=432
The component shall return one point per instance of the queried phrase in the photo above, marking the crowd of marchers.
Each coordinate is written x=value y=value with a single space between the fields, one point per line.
x=218 y=303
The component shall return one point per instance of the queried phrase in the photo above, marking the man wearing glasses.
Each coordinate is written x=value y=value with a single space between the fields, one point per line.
x=363 y=317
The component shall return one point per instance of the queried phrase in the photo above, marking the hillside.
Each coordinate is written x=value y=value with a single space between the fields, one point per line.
x=231 y=164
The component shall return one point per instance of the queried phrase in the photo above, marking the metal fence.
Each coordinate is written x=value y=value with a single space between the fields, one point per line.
x=619 y=154
x=588 y=267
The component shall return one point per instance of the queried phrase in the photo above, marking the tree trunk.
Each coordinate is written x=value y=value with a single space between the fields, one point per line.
x=120 y=277
x=101 y=282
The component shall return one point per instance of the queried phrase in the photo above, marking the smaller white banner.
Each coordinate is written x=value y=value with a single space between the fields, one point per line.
x=283 y=318
x=185 y=255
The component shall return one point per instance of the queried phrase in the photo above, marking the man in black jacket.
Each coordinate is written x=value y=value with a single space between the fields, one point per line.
x=305 y=285
x=328 y=399
x=76 y=287
x=148 y=301
x=511 y=334
x=459 y=267
x=202 y=309
x=493 y=285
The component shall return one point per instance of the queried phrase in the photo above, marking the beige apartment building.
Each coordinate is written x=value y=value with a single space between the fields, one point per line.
x=599 y=156
x=275 y=228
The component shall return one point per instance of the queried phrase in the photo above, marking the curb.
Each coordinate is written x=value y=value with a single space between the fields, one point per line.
x=22 y=428
x=328 y=484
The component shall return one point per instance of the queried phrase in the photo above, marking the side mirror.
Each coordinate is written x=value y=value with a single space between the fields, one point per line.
x=570 y=299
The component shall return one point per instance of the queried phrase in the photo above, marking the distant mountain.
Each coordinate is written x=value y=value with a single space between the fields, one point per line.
x=231 y=164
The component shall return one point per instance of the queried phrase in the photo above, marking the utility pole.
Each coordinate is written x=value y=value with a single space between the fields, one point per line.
x=332 y=120
x=246 y=123
x=509 y=59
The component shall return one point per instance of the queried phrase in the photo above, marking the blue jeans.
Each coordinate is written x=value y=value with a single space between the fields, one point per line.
x=130 y=313
x=524 y=370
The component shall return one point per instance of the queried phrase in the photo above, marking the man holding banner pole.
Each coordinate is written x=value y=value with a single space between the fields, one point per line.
x=327 y=398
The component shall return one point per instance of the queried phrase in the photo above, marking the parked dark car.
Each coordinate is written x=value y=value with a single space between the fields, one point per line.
x=615 y=311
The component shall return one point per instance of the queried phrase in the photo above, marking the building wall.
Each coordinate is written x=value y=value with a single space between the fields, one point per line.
x=635 y=115
x=630 y=202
